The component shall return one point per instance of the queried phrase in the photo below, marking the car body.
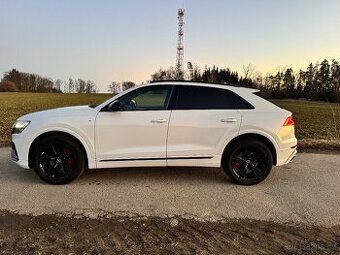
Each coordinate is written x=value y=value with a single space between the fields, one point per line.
x=162 y=124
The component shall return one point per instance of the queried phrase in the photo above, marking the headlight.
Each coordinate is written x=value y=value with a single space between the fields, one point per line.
x=19 y=126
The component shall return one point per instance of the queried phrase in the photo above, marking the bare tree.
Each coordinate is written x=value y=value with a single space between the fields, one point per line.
x=114 y=87
x=127 y=84
x=249 y=71
x=164 y=74
x=80 y=86
x=57 y=84
x=90 y=87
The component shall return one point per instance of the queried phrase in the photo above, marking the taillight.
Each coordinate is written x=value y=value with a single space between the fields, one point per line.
x=289 y=121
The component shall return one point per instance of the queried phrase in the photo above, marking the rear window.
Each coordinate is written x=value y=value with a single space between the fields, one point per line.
x=205 y=98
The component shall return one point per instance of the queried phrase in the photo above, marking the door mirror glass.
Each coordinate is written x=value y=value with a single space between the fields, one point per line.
x=115 y=106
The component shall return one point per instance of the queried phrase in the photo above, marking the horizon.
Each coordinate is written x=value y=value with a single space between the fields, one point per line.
x=108 y=41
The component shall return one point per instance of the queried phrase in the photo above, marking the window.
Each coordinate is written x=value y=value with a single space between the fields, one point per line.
x=199 y=97
x=146 y=98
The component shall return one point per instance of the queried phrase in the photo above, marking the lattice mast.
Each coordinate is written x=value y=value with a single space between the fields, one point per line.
x=180 y=47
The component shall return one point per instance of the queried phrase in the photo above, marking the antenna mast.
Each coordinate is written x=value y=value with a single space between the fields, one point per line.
x=180 y=47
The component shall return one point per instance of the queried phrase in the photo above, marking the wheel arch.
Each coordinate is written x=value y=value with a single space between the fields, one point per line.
x=262 y=138
x=49 y=133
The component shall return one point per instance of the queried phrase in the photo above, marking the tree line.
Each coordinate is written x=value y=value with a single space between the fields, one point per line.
x=15 y=80
x=320 y=81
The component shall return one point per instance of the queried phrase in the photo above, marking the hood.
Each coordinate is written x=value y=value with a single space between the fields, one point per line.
x=60 y=112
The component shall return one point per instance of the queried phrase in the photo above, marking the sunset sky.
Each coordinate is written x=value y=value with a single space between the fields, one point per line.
x=108 y=40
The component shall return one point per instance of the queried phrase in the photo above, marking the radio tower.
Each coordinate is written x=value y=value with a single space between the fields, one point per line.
x=180 y=48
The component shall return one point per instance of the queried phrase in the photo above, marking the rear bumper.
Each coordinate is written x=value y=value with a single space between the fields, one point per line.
x=286 y=155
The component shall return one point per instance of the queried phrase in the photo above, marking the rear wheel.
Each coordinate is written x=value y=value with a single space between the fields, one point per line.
x=58 y=159
x=248 y=162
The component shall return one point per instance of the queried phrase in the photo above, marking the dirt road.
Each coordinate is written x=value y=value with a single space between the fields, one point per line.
x=305 y=191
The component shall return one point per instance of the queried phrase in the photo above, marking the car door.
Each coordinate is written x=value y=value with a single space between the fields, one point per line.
x=202 y=120
x=136 y=134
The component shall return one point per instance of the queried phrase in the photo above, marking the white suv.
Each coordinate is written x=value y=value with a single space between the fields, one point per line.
x=159 y=124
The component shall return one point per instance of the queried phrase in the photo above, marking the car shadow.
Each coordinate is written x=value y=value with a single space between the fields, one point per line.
x=13 y=173
x=154 y=174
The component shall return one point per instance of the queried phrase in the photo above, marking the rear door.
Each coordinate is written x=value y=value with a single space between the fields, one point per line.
x=202 y=120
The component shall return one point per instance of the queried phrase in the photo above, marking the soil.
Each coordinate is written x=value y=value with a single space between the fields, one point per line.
x=51 y=234
x=319 y=145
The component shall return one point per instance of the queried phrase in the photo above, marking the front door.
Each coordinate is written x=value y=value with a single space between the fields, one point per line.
x=136 y=135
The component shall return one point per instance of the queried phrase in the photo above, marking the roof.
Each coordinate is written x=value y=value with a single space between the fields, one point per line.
x=210 y=84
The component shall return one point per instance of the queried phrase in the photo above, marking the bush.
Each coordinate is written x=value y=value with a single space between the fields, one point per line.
x=8 y=86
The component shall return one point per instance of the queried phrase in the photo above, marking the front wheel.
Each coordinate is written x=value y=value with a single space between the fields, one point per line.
x=58 y=159
x=248 y=162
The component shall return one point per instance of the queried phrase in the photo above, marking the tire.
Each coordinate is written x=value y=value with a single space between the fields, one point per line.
x=248 y=162
x=58 y=159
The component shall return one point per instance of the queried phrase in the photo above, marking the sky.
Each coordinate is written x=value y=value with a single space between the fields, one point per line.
x=109 y=40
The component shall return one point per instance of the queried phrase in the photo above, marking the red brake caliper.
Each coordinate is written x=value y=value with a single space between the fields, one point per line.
x=70 y=161
x=237 y=164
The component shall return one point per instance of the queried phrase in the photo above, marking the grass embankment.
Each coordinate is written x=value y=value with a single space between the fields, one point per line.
x=317 y=123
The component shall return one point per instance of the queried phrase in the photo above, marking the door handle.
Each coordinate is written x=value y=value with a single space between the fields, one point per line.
x=159 y=121
x=230 y=120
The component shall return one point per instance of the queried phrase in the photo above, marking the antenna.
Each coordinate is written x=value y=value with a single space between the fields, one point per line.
x=180 y=47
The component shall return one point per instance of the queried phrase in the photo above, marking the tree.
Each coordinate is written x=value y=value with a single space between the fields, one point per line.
x=249 y=71
x=114 y=87
x=310 y=90
x=164 y=74
x=8 y=86
x=70 y=85
x=289 y=82
x=127 y=84
x=79 y=86
x=57 y=85
x=322 y=79
x=335 y=80
x=300 y=84
x=90 y=87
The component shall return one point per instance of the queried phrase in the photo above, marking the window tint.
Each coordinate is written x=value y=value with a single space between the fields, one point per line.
x=199 y=97
x=147 y=98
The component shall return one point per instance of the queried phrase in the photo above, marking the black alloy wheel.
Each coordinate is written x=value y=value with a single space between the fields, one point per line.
x=248 y=162
x=58 y=159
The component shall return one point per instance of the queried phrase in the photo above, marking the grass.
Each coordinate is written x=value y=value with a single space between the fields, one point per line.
x=13 y=105
x=314 y=120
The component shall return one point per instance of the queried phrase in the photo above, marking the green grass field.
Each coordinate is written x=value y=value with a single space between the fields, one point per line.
x=314 y=120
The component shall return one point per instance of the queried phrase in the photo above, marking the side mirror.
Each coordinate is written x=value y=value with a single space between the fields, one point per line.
x=115 y=106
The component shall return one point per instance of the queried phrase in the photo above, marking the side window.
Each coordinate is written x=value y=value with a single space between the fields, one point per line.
x=146 y=98
x=199 y=97
x=234 y=101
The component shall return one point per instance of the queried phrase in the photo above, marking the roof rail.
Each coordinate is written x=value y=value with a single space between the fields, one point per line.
x=206 y=82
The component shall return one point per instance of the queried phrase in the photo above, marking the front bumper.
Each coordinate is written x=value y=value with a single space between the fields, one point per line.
x=14 y=153
x=19 y=152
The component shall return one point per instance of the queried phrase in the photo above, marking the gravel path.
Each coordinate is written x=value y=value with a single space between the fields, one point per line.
x=305 y=191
